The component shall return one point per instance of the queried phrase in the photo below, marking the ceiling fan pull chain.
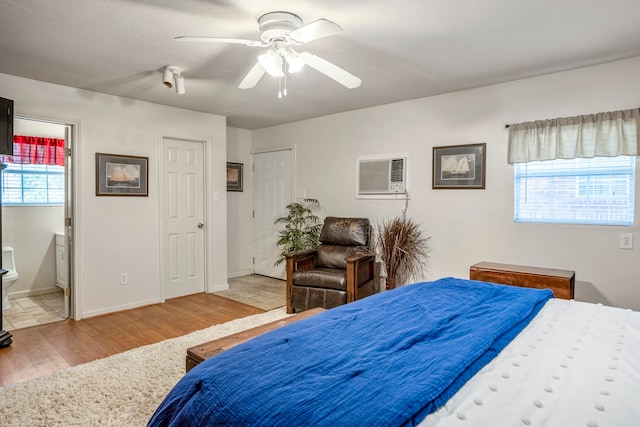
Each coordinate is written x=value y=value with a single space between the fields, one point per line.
x=284 y=73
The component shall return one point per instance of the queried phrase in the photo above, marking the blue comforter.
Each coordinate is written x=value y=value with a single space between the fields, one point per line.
x=389 y=359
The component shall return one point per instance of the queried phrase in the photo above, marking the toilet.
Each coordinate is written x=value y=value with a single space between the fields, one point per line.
x=8 y=263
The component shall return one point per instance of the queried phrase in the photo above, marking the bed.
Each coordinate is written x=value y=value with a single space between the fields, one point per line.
x=452 y=352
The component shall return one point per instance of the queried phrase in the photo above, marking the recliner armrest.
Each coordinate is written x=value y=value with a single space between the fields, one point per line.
x=297 y=261
x=360 y=271
x=359 y=257
x=300 y=260
x=300 y=253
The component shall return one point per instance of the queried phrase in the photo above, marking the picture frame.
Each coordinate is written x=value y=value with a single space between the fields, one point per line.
x=459 y=166
x=234 y=176
x=121 y=175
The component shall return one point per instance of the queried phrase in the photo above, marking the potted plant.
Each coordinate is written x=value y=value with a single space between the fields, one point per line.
x=402 y=248
x=301 y=228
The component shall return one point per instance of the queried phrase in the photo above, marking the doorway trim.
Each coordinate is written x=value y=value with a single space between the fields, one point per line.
x=70 y=206
x=294 y=174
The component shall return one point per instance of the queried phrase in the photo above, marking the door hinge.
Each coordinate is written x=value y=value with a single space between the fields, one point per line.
x=67 y=152
x=253 y=214
x=67 y=292
x=67 y=222
x=253 y=260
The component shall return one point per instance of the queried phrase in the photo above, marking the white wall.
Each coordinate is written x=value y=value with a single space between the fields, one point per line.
x=121 y=234
x=469 y=226
x=29 y=230
x=239 y=206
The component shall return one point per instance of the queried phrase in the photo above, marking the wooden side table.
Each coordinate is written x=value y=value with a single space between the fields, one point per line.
x=561 y=282
x=199 y=353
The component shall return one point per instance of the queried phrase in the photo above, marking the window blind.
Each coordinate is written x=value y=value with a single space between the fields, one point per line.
x=578 y=191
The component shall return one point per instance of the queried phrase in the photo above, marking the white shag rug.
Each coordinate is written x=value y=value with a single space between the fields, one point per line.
x=120 y=390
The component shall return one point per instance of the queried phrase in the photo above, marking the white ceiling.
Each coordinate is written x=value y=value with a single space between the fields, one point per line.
x=401 y=49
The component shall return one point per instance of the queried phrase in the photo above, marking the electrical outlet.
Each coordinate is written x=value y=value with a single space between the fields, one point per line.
x=626 y=240
x=124 y=278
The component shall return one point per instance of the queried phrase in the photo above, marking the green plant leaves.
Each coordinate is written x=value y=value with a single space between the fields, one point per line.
x=301 y=228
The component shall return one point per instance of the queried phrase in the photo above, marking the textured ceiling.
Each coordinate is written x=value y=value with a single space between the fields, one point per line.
x=401 y=50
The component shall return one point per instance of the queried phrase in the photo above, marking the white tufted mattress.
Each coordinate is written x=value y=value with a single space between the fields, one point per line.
x=576 y=364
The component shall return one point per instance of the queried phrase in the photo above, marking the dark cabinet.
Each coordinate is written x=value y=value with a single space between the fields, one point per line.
x=6 y=126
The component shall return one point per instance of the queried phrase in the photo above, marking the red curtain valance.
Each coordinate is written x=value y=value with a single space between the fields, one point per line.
x=36 y=150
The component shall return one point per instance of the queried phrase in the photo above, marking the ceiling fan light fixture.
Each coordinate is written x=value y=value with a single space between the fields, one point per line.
x=295 y=62
x=280 y=31
x=271 y=61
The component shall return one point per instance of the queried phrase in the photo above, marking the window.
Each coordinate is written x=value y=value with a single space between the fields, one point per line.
x=597 y=190
x=31 y=184
x=35 y=172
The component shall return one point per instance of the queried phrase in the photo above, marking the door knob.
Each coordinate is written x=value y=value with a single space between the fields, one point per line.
x=200 y=225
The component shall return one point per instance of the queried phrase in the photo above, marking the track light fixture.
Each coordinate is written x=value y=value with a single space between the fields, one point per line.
x=171 y=76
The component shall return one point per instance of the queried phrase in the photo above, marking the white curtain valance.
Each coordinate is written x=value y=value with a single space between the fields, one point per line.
x=607 y=134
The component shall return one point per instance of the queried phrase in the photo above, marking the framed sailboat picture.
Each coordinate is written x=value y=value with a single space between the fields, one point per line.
x=459 y=166
x=120 y=175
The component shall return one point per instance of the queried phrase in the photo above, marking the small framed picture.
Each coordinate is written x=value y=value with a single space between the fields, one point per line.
x=234 y=176
x=459 y=166
x=120 y=175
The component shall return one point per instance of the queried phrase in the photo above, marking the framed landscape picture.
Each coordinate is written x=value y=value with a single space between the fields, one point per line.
x=459 y=166
x=120 y=175
x=234 y=176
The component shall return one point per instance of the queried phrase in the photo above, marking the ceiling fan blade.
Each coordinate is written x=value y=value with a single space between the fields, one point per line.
x=315 y=30
x=220 y=40
x=253 y=77
x=343 y=77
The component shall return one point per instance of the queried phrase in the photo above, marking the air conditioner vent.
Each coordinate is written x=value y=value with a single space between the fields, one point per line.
x=397 y=170
x=382 y=176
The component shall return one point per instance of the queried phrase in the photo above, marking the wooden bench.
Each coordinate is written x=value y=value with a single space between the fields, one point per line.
x=561 y=282
x=199 y=353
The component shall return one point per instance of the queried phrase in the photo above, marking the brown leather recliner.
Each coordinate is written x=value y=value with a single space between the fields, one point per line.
x=339 y=271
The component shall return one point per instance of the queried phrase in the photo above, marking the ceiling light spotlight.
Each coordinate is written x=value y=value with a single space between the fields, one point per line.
x=180 y=85
x=171 y=76
x=167 y=77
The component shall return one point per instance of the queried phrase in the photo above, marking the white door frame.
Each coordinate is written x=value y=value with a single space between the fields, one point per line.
x=207 y=212
x=294 y=173
x=70 y=206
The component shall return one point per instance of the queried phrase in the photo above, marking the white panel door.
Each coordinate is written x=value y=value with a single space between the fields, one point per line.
x=183 y=217
x=272 y=184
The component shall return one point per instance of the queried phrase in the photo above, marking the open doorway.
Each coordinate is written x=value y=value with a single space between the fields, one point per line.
x=36 y=226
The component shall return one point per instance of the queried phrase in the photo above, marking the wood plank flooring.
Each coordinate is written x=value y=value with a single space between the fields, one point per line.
x=39 y=350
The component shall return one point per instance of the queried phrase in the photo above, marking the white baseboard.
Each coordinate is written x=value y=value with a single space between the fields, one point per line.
x=239 y=273
x=218 y=288
x=34 y=292
x=107 y=310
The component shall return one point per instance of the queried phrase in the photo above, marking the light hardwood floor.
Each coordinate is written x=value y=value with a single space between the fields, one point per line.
x=39 y=350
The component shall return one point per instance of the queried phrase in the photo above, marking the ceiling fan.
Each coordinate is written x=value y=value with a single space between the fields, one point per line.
x=280 y=32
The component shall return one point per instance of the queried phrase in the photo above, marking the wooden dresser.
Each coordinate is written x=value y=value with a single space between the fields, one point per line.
x=561 y=282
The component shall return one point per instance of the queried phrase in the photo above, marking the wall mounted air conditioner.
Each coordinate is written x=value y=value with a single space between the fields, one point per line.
x=382 y=177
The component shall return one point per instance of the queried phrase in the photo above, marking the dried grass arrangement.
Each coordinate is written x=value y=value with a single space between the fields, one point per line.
x=403 y=249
